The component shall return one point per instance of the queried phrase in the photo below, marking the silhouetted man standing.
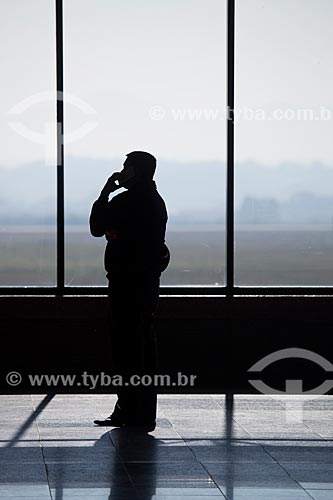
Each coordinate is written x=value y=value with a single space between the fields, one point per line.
x=134 y=223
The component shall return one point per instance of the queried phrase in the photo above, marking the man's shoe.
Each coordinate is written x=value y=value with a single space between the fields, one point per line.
x=111 y=421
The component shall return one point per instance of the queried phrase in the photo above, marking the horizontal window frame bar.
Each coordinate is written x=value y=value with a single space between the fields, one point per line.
x=179 y=291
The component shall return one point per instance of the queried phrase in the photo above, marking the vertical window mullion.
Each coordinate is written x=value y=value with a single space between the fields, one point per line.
x=60 y=265
x=230 y=197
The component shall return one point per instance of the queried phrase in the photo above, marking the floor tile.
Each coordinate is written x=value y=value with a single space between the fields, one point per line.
x=321 y=494
x=23 y=490
x=266 y=494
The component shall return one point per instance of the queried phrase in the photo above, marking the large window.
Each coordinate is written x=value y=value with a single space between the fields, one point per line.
x=249 y=201
x=27 y=127
x=145 y=75
x=284 y=156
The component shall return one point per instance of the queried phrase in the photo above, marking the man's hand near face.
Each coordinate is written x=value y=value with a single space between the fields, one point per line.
x=110 y=185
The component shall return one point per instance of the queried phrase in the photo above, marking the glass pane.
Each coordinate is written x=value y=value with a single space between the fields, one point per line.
x=284 y=170
x=147 y=75
x=27 y=128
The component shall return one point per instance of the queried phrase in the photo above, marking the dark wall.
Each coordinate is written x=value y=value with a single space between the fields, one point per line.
x=216 y=338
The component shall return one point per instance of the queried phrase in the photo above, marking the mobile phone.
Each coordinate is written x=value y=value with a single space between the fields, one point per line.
x=125 y=175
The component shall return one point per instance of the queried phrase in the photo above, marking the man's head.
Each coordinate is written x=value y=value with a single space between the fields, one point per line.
x=140 y=165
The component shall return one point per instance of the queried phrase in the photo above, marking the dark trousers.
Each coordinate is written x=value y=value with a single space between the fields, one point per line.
x=132 y=304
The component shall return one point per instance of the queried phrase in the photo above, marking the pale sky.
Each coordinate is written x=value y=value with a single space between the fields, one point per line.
x=123 y=58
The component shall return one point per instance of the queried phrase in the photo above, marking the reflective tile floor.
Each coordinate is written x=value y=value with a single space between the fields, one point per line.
x=204 y=447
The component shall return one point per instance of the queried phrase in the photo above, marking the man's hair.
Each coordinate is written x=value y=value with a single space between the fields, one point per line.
x=144 y=163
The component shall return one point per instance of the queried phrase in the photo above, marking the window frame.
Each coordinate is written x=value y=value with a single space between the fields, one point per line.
x=229 y=290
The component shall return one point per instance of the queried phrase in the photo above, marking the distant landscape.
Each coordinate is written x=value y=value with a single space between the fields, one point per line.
x=284 y=224
x=194 y=192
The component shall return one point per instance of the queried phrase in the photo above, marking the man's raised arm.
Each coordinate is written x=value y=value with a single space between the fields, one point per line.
x=98 y=216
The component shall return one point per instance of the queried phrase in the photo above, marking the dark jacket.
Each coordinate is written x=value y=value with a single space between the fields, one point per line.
x=134 y=224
